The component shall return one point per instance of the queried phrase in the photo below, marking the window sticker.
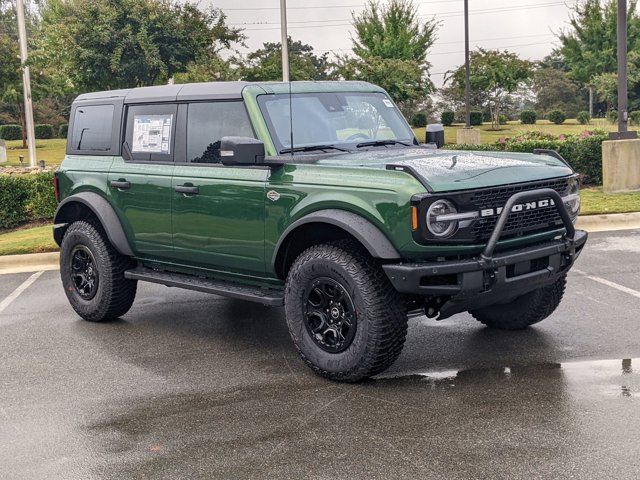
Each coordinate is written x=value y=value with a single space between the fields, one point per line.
x=387 y=102
x=152 y=133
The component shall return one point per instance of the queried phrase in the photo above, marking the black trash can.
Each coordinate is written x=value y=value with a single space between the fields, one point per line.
x=435 y=134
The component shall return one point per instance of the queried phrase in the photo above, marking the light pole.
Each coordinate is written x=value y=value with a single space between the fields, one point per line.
x=284 y=42
x=622 y=66
x=467 y=68
x=26 y=84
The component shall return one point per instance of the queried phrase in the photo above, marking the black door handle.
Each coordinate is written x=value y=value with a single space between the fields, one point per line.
x=187 y=189
x=120 y=184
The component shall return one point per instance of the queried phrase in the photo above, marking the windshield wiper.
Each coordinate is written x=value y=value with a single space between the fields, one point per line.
x=380 y=143
x=311 y=148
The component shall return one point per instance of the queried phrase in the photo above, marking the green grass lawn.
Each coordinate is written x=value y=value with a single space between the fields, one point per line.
x=595 y=202
x=27 y=240
x=51 y=151
x=513 y=128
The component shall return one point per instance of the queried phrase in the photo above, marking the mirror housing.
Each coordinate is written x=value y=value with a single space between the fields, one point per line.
x=241 y=151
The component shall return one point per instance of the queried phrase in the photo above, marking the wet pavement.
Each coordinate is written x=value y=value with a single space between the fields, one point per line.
x=188 y=385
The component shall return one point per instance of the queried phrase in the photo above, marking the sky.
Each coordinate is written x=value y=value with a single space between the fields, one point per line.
x=523 y=26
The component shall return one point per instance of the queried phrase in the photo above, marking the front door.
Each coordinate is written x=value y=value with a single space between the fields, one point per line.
x=140 y=187
x=218 y=211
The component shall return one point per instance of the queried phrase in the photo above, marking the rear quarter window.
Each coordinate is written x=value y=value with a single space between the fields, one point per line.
x=92 y=130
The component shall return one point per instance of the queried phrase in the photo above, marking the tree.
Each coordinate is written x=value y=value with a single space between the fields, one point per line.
x=11 y=92
x=555 y=90
x=589 y=46
x=105 y=44
x=266 y=63
x=494 y=75
x=391 y=47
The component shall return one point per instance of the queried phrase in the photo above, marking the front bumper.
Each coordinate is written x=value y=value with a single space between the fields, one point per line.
x=455 y=286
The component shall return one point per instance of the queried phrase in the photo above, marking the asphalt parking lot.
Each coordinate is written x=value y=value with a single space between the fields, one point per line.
x=188 y=385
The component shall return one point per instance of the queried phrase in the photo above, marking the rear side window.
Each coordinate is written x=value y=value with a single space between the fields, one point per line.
x=92 y=128
x=208 y=122
x=150 y=132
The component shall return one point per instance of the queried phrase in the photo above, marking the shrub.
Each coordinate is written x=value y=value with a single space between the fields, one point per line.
x=10 y=132
x=419 y=120
x=41 y=201
x=583 y=118
x=583 y=152
x=634 y=118
x=476 y=118
x=612 y=116
x=447 y=118
x=528 y=117
x=43 y=131
x=502 y=120
x=63 y=130
x=557 y=116
x=13 y=198
x=26 y=197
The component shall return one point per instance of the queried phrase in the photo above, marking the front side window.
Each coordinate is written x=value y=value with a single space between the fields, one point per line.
x=92 y=128
x=208 y=122
x=333 y=119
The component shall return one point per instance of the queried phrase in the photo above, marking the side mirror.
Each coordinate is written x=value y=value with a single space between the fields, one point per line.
x=241 y=151
x=435 y=134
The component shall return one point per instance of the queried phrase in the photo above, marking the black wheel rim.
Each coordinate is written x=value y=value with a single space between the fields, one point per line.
x=330 y=315
x=84 y=274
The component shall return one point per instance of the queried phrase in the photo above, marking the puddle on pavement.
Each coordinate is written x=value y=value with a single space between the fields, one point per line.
x=608 y=377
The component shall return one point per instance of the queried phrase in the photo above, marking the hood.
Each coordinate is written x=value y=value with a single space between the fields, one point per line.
x=448 y=170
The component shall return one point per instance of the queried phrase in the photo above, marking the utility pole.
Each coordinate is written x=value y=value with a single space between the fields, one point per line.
x=622 y=66
x=467 y=68
x=26 y=84
x=284 y=42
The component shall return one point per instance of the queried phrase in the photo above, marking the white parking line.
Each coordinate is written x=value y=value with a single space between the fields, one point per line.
x=609 y=283
x=23 y=286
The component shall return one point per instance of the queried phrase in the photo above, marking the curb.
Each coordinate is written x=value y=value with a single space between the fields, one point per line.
x=31 y=262
x=34 y=262
x=610 y=222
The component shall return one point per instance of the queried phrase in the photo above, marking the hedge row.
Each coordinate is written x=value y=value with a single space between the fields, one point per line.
x=42 y=131
x=26 y=197
x=583 y=152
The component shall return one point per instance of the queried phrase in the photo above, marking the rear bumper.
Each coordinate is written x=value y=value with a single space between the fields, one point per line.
x=455 y=286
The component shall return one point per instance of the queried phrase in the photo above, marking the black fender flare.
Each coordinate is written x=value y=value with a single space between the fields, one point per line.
x=102 y=209
x=369 y=235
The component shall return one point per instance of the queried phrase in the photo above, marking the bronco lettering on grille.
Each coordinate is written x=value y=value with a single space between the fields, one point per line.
x=521 y=207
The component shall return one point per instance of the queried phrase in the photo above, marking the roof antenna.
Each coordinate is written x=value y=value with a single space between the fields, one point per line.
x=285 y=61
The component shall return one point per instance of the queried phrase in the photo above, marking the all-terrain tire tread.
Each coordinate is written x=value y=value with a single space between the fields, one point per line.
x=384 y=308
x=523 y=311
x=119 y=292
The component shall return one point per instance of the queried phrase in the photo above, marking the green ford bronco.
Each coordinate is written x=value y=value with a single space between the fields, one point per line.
x=315 y=196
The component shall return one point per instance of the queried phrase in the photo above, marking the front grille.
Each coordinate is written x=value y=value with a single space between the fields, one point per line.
x=518 y=223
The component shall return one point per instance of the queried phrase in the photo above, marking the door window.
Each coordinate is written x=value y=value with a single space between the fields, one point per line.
x=150 y=132
x=208 y=122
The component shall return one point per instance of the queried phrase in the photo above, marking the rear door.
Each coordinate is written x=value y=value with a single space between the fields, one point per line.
x=218 y=211
x=140 y=186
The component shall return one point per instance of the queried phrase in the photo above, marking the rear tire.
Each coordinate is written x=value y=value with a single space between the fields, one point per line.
x=346 y=320
x=524 y=311
x=92 y=273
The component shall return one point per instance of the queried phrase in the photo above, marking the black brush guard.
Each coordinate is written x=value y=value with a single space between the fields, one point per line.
x=456 y=286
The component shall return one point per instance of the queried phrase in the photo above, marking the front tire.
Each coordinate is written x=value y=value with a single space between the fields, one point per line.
x=92 y=273
x=345 y=319
x=524 y=311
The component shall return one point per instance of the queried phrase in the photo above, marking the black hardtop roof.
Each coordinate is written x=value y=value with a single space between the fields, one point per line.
x=215 y=91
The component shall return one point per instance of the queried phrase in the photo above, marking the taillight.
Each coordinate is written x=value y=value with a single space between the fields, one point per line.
x=56 y=187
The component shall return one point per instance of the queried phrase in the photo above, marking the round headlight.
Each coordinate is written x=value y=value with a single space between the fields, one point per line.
x=437 y=226
x=572 y=200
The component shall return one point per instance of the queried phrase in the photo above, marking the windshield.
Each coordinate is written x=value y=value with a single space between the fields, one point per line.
x=325 y=119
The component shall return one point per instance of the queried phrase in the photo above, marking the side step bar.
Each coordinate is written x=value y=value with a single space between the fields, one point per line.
x=269 y=297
